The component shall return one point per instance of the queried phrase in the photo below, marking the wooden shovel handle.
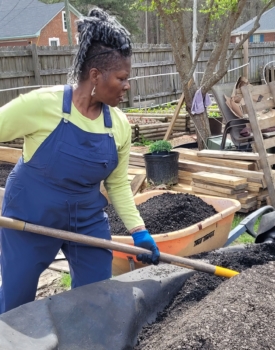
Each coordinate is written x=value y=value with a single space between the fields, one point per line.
x=121 y=247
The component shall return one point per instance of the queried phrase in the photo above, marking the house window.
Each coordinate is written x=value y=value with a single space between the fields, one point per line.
x=256 y=38
x=54 y=42
x=64 y=21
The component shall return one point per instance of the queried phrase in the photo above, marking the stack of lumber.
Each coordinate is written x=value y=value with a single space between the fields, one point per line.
x=231 y=174
x=226 y=186
x=238 y=166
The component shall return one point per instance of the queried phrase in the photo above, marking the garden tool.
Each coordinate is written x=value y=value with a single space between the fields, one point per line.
x=265 y=230
x=121 y=247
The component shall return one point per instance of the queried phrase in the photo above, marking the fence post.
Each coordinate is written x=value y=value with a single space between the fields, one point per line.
x=36 y=67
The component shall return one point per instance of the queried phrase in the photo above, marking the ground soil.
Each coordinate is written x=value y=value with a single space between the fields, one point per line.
x=214 y=313
x=165 y=213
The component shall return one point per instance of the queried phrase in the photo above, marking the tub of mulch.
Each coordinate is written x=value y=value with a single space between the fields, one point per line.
x=181 y=224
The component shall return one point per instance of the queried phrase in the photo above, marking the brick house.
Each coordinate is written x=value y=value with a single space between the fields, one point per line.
x=266 y=31
x=24 y=22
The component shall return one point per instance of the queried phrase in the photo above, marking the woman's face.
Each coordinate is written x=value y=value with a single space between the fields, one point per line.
x=113 y=85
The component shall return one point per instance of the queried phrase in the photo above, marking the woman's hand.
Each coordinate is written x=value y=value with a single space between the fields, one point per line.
x=144 y=240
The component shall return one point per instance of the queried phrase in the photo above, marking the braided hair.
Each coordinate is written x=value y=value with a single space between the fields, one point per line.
x=102 y=44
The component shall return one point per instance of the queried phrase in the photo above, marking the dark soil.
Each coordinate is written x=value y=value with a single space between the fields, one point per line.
x=215 y=313
x=5 y=169
x=165 y=213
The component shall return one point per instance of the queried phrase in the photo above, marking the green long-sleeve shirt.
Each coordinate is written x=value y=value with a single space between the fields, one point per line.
x=33 y=116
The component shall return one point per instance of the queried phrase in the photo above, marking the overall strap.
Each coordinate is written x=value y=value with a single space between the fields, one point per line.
x=67 y=99
x=107 y=116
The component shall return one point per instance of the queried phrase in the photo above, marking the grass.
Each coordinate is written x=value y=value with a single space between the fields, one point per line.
x=65 y=280
x=245 y=238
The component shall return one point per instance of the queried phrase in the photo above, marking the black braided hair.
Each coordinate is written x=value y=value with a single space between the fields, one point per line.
x=102 y=44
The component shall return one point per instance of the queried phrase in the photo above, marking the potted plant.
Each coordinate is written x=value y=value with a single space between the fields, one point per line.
x=161 y=163
x=215 y=122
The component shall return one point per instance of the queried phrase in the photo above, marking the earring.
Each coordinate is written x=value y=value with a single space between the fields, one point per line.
x=93 y=91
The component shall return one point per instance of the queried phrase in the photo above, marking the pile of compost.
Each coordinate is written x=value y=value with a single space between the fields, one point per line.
x=215 y=313
x=5 y=169
x=165 y=213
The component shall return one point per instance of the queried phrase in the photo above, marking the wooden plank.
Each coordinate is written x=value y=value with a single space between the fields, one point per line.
x=194 y=167
x=218 y=194
x=14 y=74
x=229 y=155
x=137 y=182
x=173 y=120
x=249 y=205
x=225 y=190
x=185 y=175
x=227 y=180
x=182 y=188
x=250 y=198
x=255 y=126
x=136 y=171
x=268 y=143
x=185 y=153
x=265 y=122
x=10 y=155
x=54 y=71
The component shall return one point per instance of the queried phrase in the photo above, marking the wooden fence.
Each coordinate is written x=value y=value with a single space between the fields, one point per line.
x=31 y=66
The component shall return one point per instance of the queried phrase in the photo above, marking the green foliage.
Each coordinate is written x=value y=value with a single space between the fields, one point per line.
x=160 y=146
x=169 y=7
x=219 y=8
x=214 y=114
x=65 y=280
x=143 y=142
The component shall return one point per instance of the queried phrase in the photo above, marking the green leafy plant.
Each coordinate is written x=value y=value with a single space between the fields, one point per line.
x=160 y=146
x=214 y=114
x=143 y=142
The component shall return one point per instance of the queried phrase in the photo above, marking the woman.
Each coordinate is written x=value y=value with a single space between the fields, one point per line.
x=74 y=138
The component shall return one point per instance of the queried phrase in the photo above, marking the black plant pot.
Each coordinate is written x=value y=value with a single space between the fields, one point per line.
x=215 y=126
x=162 y=167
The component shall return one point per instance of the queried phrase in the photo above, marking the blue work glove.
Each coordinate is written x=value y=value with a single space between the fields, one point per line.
x=143 y=239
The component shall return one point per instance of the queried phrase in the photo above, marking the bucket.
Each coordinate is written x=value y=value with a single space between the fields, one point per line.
x=162 y=168
x=204 y=236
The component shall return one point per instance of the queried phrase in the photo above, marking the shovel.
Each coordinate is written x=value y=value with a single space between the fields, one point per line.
x=121 y=247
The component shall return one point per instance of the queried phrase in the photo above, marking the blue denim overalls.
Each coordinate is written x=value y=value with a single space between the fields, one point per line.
x=60 y=188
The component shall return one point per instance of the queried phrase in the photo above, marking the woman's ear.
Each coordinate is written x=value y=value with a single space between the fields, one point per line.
x=94 y=75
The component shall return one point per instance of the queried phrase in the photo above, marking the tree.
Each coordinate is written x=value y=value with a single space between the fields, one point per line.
x=173 y=14
x=118 y=8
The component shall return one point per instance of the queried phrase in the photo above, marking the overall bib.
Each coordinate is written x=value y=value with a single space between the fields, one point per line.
x=60 y=188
